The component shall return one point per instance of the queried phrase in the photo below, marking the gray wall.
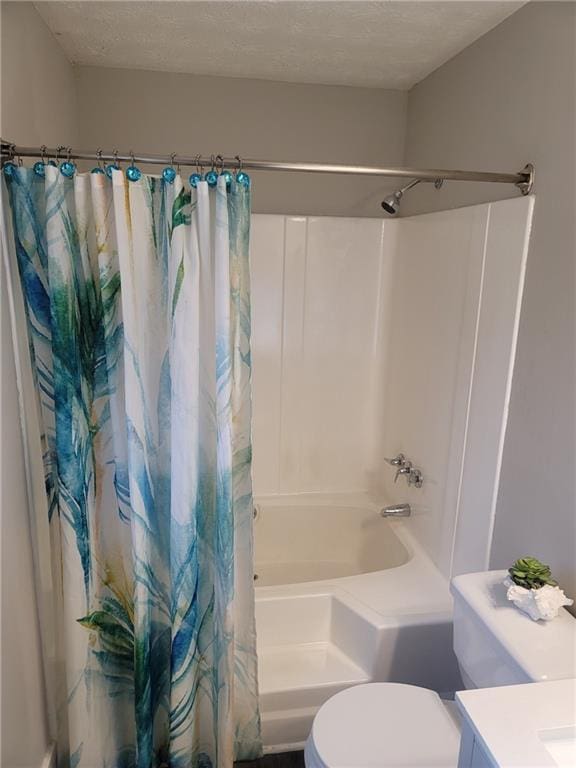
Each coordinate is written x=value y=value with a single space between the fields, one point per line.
x=506 y=100
x=163 y=112
x=38 y=106
x=38 y=94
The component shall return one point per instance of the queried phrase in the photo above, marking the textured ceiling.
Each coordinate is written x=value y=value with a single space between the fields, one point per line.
x=375 y=44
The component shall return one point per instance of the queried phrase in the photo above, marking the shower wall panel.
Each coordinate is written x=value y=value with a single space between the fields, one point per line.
x=430 y=327
x=456 y=281
x=316 y=289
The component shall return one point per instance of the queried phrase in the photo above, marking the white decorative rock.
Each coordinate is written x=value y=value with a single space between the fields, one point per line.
x=543 y=603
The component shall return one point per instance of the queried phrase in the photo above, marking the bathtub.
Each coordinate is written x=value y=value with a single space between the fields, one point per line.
x=298 y=543
x=343 y=597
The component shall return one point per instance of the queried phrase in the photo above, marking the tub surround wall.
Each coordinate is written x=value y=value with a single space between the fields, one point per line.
x=452 y=324
x=430 y=327
x=315 y=289
x=373 y=337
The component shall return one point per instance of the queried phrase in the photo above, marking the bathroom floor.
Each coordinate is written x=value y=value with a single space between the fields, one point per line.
x=283 y=760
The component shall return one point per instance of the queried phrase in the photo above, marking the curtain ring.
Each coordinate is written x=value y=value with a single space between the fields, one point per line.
x=221 y=160
x=115 y=166
x=241 y=177
x=196 y=177
x=68 y=168
x=9 y=166
x=100 y=167
x=132 y=172
x=169 y=174
x=212 y=176
x=39 y=167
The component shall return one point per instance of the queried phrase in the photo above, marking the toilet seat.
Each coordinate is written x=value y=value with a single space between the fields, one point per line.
x=383 y=725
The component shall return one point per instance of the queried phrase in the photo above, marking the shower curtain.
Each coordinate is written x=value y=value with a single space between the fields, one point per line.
x=137 y=301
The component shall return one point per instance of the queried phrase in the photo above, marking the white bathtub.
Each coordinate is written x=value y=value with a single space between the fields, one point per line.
x=305 y=542
x=343 y=597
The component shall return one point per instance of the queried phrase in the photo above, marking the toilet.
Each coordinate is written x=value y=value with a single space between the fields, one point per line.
x=387 y=725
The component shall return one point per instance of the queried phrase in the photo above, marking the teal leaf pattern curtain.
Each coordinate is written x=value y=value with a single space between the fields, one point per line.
x=137 y=298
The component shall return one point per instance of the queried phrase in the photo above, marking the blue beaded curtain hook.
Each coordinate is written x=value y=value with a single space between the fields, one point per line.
x=212 y=176
x=68 y=168
x=9 y=168
x=197 y=176
x=241 y=177
x=169 y=174
x=132 y=172
x=98 y=168
x=224 y=173
x=115 y=166
x=229 y=178
x=40 y=165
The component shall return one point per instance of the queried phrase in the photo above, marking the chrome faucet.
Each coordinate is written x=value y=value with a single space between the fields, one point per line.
x=397 y=461
x=396 y=510
x=404 y=467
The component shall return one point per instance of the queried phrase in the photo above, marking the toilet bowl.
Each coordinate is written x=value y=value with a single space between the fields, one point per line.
x=386 y=725
x=391 y=725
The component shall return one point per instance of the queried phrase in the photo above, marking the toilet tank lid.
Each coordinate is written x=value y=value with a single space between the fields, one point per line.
x=544 y=650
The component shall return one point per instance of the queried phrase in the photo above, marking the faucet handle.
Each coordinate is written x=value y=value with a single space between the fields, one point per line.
x=405 y=469
x=415 y=478
x=397 y=461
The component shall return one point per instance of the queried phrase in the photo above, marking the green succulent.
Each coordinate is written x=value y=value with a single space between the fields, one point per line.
x=530 y=573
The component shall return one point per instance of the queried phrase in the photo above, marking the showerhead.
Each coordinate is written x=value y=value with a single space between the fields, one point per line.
x=391 y=204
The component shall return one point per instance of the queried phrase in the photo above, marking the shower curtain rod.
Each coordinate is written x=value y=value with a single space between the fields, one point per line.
x=523 y=179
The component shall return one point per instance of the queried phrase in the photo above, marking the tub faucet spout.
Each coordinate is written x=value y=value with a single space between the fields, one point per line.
x=396 y=510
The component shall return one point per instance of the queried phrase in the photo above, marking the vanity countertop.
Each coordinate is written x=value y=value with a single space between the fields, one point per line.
x=519 y=726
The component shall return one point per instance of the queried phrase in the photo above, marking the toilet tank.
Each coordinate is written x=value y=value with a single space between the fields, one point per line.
x=496 y=644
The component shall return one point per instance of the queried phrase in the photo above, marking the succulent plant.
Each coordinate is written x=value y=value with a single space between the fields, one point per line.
x=530 y=573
